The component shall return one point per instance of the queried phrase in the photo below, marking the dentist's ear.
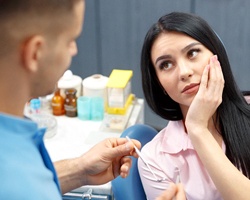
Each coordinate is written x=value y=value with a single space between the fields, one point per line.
x=31 y=53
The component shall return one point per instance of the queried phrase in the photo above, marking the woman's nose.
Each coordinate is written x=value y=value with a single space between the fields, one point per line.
x=185 y=71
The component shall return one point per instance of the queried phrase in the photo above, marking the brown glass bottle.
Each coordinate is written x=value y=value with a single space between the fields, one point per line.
x=70 y=103
x=57 y=103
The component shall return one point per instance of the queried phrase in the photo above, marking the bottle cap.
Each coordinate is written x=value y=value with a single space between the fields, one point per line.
x=35 y=104
x=69 y=80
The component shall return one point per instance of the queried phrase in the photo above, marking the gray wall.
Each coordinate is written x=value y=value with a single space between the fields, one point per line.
x=114 y=30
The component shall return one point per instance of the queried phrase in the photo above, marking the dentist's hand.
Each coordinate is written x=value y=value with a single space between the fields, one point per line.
x=108 y=159
x=101 y=164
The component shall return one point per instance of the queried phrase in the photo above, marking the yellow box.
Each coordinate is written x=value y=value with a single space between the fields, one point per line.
x=121 y=110
x=119 y=91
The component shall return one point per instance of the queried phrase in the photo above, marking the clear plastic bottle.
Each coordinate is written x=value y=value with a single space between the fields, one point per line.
x=70 y=104
x=44 y=120
x=57 y=103
x=35 y=106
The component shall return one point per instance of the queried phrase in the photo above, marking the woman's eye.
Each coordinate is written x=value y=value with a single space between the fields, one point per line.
x=193 y=53
x=165 y=65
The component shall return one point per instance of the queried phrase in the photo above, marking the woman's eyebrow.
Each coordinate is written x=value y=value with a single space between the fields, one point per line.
x=190 y=46
x=162 y=57
x=186 y=48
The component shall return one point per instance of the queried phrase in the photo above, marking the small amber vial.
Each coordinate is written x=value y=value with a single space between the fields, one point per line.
x=70 y=103
x=57 y=103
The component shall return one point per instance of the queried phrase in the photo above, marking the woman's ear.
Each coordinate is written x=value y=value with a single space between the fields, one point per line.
x=32 y=51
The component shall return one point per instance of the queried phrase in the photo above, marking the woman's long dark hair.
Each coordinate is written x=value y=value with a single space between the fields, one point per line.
x=233 y=115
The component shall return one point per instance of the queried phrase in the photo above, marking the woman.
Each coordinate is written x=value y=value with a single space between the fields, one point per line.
x=187 y=80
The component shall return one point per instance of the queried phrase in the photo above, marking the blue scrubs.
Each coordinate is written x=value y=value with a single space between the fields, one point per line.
x=26 y=170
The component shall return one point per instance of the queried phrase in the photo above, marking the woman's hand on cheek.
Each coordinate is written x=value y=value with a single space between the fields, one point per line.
x=209 y=96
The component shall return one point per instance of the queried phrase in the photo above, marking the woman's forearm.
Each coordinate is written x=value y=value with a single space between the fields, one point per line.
x=231 y=183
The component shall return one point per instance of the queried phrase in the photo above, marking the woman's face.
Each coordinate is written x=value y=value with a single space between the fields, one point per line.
x=179 y=61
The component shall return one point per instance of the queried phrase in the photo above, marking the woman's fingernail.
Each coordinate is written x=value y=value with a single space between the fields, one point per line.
x=214 y=58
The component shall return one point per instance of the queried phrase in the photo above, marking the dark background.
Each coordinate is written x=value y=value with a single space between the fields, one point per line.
x=114 y=31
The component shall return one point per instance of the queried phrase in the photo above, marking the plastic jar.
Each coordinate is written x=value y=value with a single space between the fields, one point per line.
x=68 y=81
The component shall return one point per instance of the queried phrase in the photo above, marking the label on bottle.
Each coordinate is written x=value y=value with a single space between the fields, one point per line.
x=56 y=104
x=70 y=110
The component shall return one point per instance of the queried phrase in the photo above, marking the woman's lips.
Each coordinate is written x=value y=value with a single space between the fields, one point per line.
x=189 y=89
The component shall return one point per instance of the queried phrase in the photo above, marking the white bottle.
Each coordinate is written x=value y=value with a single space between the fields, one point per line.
x=68 y=81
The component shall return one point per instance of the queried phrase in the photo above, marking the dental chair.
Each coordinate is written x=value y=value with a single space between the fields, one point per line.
x=131 y=187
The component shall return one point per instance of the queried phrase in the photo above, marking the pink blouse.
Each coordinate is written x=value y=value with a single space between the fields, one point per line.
x=171 y=155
